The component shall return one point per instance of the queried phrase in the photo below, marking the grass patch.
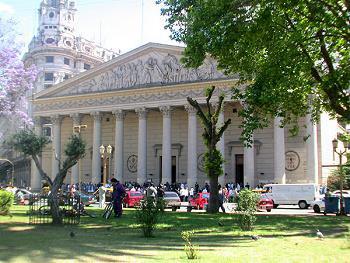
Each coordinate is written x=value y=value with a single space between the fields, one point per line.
x=284 y=239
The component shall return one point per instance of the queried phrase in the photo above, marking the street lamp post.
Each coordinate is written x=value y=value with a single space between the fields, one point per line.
x=341 y=175
x=105 y=154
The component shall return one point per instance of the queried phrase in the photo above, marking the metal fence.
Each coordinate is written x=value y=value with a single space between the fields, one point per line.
x=40 y=212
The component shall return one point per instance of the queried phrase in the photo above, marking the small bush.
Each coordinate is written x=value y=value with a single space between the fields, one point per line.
x=6 y=201
x=190 y=249
x=148 y=215
x=246 y=205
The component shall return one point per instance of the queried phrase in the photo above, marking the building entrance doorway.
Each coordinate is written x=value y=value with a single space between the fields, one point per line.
x=239 y=158
x=173 y=170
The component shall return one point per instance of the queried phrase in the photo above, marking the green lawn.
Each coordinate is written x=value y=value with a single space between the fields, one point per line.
x=284 y=239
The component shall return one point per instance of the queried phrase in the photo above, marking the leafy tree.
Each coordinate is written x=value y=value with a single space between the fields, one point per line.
x=15 y=79
x=27 y=142
x=213 y=159
x=284 y=51
x=247 y=206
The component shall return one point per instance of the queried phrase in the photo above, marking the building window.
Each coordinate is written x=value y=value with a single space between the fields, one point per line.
x=47 y=130
x=75 y=64
x=49 y=59
x=51 y=14
x=66 y=76
x=50 y=40
x=66 y=61
x=87 y=66
x=48 y=76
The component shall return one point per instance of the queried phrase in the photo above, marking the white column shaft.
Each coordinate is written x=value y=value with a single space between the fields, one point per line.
x=119 y=145
x=312 y=151
x=142 y=146
x=56 y=146
x=279 y=152
x=192 y=147
x=75 y=169
x=248 y=166
x=166 y=145
x=35 y=183
x=96 y=158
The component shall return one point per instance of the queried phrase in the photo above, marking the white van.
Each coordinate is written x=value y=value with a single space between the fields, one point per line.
x=292 y=194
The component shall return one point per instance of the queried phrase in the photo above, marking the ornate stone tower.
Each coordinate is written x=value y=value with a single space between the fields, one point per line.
x=56 y=49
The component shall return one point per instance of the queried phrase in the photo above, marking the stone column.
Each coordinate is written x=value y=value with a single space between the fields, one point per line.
x=35 y=182
x=192 y=146
x=166 y=144
x=248 y=166
x=311 y=151
x=119 y=144
x=96 y=157
x=56 y=144
x=142 y=146
x=279 y=152
x=75 y=169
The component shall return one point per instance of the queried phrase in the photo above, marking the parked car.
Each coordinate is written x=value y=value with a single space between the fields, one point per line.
x=199 y=200
x=319 y=204
x=292 y=194
x=132 y=198
x=172 y=200
x=23 y=196
x=86 y=199
x=265 y=203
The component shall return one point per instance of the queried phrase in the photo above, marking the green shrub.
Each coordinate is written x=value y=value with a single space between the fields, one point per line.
x=148 y=215
x=247 y=205
x=334 y=179
x=190 y=249
x=6 y=201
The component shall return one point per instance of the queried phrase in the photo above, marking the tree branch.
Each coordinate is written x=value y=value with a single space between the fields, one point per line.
x=200 y=112
x=41 y=171
x=324 y=51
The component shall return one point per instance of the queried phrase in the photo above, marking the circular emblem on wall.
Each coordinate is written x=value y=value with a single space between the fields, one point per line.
x=292 y=160
x=200 y=162
x=132 y=163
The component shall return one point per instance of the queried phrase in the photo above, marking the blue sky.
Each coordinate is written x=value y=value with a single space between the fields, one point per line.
x=120 y=21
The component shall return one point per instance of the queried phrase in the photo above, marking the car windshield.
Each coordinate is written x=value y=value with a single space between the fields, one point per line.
x=135 y=194
x=205 y=196
x=171 y=195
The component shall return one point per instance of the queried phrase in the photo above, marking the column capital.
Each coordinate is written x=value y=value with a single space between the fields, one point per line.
x=76 y=118
x=56 y=119
x=96 y=115
x=119 y=114
x=166 y=110
x=190 y=109
x=141 y=112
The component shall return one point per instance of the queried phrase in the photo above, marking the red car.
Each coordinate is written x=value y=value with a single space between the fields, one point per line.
x=200 y=200
x=265 y=203
x=132 y=198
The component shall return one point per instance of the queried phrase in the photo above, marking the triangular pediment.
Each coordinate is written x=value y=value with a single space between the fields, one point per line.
x=151 y=65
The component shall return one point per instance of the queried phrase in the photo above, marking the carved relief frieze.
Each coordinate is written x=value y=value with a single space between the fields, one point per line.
x=150 y=70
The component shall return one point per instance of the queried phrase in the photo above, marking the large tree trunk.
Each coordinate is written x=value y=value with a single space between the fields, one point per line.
x=55 y=206
x=213 y=206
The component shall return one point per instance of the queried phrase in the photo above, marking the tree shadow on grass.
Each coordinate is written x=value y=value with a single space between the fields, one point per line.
x=98 y=239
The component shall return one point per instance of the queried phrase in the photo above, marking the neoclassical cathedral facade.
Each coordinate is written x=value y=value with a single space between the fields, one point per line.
x=136 y=103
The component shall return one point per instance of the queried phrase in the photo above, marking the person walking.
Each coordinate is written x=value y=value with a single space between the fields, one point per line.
x=102 y=196
x=117 y=197
x=221 y=199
